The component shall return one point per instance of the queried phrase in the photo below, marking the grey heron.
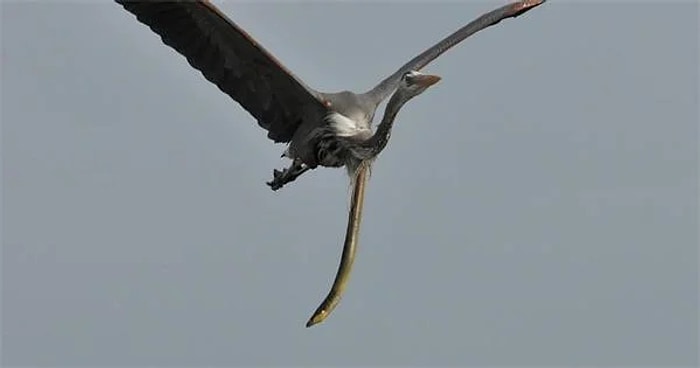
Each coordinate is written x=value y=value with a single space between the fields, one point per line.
x=321 y=129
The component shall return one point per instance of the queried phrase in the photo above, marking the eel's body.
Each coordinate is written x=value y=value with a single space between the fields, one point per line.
x=349 y=248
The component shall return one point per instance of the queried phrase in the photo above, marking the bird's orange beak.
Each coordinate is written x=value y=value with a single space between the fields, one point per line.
x=426 y=80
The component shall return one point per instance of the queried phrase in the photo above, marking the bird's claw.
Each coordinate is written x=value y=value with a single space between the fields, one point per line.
x=288 y=175
x=278 y=179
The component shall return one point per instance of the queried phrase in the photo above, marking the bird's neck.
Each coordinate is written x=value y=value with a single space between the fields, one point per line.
x=381 y=136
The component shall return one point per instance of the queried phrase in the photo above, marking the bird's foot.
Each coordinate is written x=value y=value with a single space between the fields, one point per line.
x=288 y=175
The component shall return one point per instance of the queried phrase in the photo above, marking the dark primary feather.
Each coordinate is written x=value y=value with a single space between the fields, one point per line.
x=514 y=9
x=229 y=57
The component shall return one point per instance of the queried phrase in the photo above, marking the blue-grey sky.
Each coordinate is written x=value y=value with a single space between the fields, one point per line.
x=539 y=206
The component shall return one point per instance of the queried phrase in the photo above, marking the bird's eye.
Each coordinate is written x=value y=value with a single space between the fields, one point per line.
x=408 y=76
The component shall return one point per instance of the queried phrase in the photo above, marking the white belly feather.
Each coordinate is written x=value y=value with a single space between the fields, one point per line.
x=340 y=126
x=347 y=127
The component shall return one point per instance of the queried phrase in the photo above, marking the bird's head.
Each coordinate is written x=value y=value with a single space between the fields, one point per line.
x=414 y=83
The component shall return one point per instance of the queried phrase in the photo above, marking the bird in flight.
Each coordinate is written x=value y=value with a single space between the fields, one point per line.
x=320 y=128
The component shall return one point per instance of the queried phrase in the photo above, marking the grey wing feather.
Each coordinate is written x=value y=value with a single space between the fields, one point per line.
x=228 y=57
x=514 y=9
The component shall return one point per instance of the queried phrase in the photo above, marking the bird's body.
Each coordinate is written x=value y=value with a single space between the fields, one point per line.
x=322 y=129
x=316 y=147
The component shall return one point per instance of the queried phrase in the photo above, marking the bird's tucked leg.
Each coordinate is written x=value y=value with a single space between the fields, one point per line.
x=288 y=175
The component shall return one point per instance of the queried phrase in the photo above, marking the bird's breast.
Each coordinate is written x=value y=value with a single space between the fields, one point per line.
x=335 y=139
x=348 y=126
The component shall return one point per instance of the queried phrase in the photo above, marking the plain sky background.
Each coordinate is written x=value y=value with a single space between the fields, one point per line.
x=537 y=207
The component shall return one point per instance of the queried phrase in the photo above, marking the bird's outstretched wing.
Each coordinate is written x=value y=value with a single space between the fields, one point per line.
x=514 y=9
x=349 y=247
x=230 y=58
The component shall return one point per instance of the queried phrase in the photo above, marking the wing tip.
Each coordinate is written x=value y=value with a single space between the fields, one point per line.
x=525 y=5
